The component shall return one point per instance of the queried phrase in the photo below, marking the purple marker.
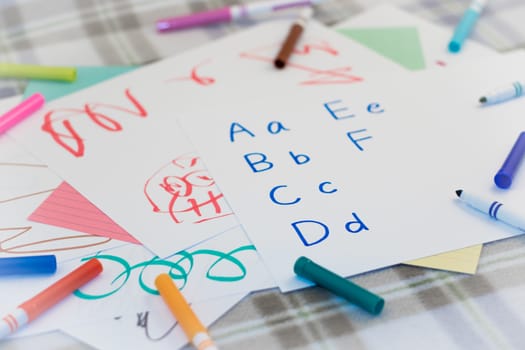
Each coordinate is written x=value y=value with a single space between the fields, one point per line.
x=230 y=13
x=503 y=178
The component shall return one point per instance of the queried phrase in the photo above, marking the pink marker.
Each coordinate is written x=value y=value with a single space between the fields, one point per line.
x=230 y=13
x=20 y=112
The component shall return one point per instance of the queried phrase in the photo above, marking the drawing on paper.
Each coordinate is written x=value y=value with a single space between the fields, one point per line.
x=58 y=123
x=316 y=75
x=185 y=191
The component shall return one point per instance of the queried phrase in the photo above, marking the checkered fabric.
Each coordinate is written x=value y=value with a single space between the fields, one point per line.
x=425 y=309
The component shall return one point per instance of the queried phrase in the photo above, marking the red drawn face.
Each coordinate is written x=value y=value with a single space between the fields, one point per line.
x=184 y=190
x=183 y=186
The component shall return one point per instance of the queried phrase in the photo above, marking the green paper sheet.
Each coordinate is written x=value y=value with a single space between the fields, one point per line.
x=399 y=44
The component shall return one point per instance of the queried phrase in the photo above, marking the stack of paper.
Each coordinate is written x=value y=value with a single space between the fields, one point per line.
x=216 y=167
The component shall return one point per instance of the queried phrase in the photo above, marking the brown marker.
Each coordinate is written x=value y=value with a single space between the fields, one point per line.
x=293 y=35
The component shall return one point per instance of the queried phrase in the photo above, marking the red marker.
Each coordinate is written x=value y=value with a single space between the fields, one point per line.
x=32 y=308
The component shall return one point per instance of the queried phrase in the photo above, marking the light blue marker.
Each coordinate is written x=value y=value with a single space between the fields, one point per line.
x=503 y=93
x=466 y=24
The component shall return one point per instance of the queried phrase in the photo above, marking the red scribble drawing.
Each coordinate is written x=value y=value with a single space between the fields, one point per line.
x=317 y=76
x=184 y=190
x=322 y=46
x=195 y=77
x=441 y=63
x=58 y=123
x=17 y=242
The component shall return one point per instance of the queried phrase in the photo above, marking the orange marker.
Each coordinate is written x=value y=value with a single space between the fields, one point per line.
x=194 y=329
x=32 y=308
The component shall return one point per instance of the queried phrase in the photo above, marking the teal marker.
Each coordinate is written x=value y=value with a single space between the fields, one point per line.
x=338 y=285
x=466 y=24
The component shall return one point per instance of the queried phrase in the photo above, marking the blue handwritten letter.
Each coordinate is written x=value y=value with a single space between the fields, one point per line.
x=264 y=165
x=318 y=236
x=237 y=128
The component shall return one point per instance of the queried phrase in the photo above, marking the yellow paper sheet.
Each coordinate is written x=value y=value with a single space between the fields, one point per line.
x=462 y=260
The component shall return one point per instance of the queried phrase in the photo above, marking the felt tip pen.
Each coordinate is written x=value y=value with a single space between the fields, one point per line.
x=32 y=308
x=494 y=209
x=505 y=175
x=503 y=93
x=466 y=24
x=230 y=13
x=32 y=71
x=28 y=265
x=179 y=307
x=21 y=111
x=293 y=36
x=338 y=285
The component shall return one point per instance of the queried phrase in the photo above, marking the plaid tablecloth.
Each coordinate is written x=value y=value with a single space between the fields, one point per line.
x=424 y=308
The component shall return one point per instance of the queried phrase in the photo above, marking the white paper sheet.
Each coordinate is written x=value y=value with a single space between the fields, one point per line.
x=152 y=328
x=359 y=178
x=24 y=184
x=225 y=265
x=113 y=142
x=434 y=38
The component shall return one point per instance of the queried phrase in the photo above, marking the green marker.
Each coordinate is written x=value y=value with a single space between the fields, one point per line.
x=29 y=71
x=338 y=285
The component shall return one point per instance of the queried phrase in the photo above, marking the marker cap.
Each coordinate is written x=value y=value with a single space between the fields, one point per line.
x=195 y=19
x=338 y=285
x=27 y=265
x=503 y=178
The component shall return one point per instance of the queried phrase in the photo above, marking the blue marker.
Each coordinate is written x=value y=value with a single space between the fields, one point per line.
x=503 y=178
x=28 y=265
x=494 y=209
x=466 y=24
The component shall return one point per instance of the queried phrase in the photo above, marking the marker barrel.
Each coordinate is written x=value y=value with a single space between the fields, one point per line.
x=504 y=93
x=228 y=14
x=466 y=24
x=32 y=308
x=338 y=285
x=61 y=289
x=505 y=175
x=495 y=210
x=293 y=36
x=29 y=71
x=28 y=265
x=179 y=307
x=194 y=20
x=21 y=111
